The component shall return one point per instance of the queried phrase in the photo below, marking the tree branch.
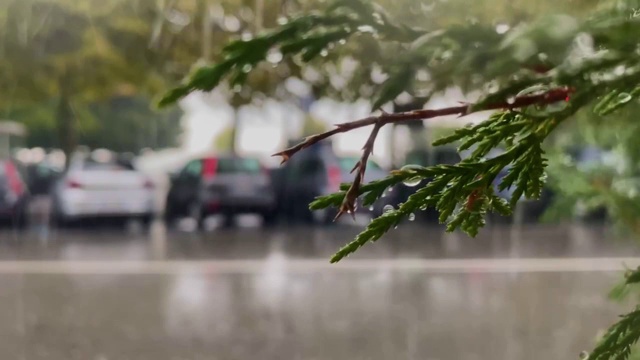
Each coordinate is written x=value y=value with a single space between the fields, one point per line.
x=348 y=205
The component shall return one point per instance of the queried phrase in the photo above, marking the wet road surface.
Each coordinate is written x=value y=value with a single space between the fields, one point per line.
x=109 y=293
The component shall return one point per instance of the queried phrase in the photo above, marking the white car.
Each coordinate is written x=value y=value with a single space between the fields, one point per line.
x=107 y=188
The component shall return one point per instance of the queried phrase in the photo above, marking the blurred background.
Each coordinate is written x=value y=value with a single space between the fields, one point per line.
x=133 y=233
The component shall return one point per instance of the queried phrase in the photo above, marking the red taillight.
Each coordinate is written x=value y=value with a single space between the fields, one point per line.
x=73 y=184
x=335 y=177
x=209 y=168
x=13 y=178
x=148 y=184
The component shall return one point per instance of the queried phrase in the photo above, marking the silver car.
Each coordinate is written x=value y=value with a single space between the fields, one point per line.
x=226 y=185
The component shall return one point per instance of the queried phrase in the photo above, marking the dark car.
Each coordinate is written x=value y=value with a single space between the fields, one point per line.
x=530 y=210
x=422 y=157
x=310 y=173
x=14 y=194
x=226 y=185
x=314 y=172
x=41 y=177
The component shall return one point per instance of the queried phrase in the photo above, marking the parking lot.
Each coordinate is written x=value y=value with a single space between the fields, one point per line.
x=108 y=291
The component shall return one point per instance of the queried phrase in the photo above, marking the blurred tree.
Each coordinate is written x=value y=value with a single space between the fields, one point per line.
x=120 y=124
x=224 y=142
x=52 y=50
x=128 y=124
x=312 y=126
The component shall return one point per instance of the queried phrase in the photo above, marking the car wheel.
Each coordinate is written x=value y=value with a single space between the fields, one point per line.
x=195 y=213
x=269 y=218
x=57 y=218
x=19 y=219
x=146 y=219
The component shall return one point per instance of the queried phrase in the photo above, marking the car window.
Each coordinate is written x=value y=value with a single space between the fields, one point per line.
x=105 y=166
x=418 y=158
x=238 y=166
x=447 y=157
x=192 y=169
x=347 y=163
x=310 y=166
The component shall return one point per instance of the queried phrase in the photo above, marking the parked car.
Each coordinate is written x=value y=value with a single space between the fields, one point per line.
x=102 y=187
x=226 y=185
x=586 y=159
x=422 y=157
x=531 y=210
x=314 y=172
x=41 y=177
x=14 y=195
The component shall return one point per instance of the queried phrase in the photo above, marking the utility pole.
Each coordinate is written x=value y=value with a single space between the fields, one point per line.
x=259 y=16
x=416 y=128
x=207 y=28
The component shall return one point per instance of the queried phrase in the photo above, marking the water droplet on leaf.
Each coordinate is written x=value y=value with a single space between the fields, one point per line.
x=511 y=100
x=584 y=355
x=543 y=57
x=387 y=208
x=427 y=7
x=371 y=208
x=246 y=68
x=282 y=20
x=492 y=87
x=274 y=57
x=366 y=29
x=502 y=28
x=342 y=41
x=412 y=217
x=412 y=181
x=324 y=53
x=624 y=98
x=237 y=88
x=619 y=70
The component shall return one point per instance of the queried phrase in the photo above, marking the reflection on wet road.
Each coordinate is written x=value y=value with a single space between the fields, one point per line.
x=104 y=293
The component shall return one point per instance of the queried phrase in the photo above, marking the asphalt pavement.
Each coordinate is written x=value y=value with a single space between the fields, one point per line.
x=121 y=291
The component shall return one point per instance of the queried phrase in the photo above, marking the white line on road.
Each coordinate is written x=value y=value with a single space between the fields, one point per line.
x=169 y=267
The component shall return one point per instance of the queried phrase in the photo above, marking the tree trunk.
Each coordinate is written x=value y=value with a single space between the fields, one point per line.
x=65 y=124
x=207 y=30
x=234 y=133
x=416 y=128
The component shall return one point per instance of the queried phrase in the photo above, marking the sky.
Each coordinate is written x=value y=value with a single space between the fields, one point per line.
x=264 y=129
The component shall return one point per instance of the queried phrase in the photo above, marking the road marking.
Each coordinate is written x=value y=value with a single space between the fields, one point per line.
x=531 y=265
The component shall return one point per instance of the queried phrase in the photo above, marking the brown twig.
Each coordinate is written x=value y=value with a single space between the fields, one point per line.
x=348 y=205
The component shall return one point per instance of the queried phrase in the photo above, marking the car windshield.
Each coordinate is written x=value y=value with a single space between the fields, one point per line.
x=238 y=165
x=106 y=166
